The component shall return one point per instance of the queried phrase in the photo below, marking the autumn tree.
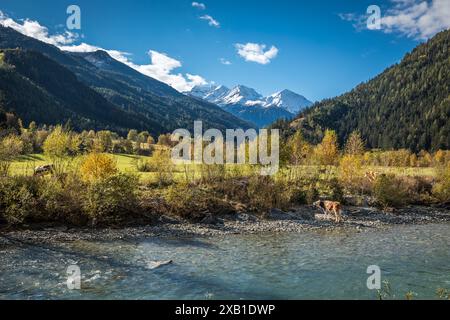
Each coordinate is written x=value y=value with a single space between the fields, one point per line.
x=61 y=144
x=355 y=144
x=298 y=149
x=97 y=166
x=327 y=152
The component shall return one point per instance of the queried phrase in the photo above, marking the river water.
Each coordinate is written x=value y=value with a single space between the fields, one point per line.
x=309 y=265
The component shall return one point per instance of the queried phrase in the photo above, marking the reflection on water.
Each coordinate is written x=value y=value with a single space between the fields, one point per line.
x=311 y=265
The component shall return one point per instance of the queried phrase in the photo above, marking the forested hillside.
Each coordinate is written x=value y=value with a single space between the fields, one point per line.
x=407 y=106
x=38 y=89
x=94 y=91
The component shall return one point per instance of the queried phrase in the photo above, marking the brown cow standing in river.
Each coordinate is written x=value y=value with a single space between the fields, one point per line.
x=329 y=207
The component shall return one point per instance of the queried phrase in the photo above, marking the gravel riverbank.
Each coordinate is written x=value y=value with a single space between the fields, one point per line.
x=298 y=220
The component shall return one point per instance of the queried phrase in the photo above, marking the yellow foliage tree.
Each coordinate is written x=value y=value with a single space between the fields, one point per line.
x=97 y=166
x=327 y=152
x=61 y=144
x=299 y=150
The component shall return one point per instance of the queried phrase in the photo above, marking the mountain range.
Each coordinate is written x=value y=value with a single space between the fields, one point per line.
x=39 y=82
x=247 y=104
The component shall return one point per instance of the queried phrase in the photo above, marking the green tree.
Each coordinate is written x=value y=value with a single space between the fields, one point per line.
x=103 y=142
x=60 y=144
x=143 y=137
x=132 y=135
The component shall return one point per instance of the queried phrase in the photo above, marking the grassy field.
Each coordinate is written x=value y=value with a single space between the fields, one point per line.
x=126 y=163
x=26 y=164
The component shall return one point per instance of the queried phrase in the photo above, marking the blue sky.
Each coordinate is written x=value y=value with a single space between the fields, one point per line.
x=317 y=48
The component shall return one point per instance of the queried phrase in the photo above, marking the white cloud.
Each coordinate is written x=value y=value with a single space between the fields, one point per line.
x=211 y=21
x=417 y=19
x=199 y=5
x=161 y=66
x=256 y=52
x=35 y=30
x=225 y=61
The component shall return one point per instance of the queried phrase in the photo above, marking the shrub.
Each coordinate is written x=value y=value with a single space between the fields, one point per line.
x=10 y=148
x=212 y=173
x=143 y=165
x=109 y=199
x=265 y=193
x=18 y=198
x=441 y=190
x=418 y=189
x=297 y=196
x=162 y=164
x=350 y=173
x=97 y=166
x=312 y=195
x=62 y=200
x=389 y=192
x=193 y=202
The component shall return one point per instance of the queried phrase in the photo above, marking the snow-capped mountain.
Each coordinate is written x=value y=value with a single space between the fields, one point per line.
x=244 y=96
x=291 y=101
x=248 y=104
x=241 y=95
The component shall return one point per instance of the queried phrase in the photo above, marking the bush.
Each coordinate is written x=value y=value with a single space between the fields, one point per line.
x=143 y=165
x=111 y=198
x=350 y=173
x=62 y=200
x=442 y=188
x=265 y=193
x=418 y=189
x=18 y=198
x=161 y=163
x=97 y=166
x=212 y=173
x=10 y=148
x=297 y=196
x=312 y=195
x=389 y=191
x=193 y=202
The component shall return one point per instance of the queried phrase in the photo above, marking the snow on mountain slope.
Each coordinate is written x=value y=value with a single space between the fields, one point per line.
x=286 y=99
x=244 y=96
x=250 y=105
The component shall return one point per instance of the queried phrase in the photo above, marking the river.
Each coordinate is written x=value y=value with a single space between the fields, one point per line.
x=307 y=265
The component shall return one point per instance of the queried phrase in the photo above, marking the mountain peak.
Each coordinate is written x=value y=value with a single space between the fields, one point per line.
x=240 y=94
x=249 y=97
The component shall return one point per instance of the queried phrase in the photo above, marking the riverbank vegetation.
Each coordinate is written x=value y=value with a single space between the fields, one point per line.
x=100 y=178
